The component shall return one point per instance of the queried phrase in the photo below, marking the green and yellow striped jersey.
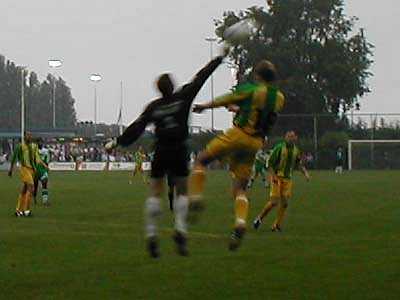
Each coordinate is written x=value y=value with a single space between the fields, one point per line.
x=255 y=101
x=284 y=159
x=27 y=155
x=139 y=156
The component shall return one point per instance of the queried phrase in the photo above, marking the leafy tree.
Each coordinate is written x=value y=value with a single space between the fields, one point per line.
x=322 y=60
x=38 y=99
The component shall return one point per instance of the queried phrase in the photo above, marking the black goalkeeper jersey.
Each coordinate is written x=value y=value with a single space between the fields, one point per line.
x=170 y=115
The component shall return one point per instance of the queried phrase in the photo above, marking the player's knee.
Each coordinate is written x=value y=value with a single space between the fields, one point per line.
x=204 y=159
x=152 y=207
x=181 y=187
x=30 y=188
x=285 y=203
x=273 y=201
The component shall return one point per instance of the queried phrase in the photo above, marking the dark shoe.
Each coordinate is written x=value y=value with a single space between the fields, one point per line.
x=181 y=243
x=19 y=214
x=256 y=223
x=236 y=238
x=153 y=247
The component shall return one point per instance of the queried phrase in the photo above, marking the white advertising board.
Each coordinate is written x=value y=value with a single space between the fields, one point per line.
x=146 y=166
x=62 y=166
x=121 y=166
x=92 y=166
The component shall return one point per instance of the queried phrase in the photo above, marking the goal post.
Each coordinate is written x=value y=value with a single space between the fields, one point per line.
x=372 y=142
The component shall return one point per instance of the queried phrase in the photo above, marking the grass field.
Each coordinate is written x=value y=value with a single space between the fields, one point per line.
x=341 y=241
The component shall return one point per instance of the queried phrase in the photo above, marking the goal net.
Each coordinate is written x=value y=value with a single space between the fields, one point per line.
x=373 y=154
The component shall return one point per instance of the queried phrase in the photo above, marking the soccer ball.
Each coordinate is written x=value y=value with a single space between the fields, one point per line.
x=238 y=32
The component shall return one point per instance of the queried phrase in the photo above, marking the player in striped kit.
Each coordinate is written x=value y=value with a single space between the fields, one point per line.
x=42 y=175
x=285 y=157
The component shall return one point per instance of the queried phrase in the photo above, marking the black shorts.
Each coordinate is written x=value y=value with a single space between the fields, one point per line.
x=170 y=161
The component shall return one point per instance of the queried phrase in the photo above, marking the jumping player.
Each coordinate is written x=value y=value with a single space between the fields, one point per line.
x=258 y=105
x=170 y=115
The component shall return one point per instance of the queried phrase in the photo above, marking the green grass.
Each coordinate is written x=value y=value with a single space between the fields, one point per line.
x=340 y=241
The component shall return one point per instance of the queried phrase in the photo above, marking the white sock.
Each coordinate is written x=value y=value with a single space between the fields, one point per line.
x=181 y=205
x=152 y=211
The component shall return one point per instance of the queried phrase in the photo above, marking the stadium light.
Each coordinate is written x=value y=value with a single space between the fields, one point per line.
x=95 y=78
x=23 y=72
x=54 y=63
x=212 y=40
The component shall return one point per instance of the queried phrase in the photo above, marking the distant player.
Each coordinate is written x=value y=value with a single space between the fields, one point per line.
x=260 y=168
x=139 y=158
x=339 y=160
x=42 y=175
x=28 y=157
x=284 y=158
x=257 y=105
x=170 y=115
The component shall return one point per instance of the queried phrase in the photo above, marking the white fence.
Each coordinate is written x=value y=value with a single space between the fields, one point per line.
x=89 y=166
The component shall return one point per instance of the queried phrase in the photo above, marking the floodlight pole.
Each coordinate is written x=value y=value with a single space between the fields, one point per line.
x=54 y=63
x=95 y=109
x=212 y=41
x=22 y=105
x=95 y=78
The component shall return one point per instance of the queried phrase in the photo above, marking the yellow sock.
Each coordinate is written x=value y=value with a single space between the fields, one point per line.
x=197 y=182
x=241 y=210
x=281 y=215
x=267 y=208
x=23 y=202
x=19 y=203
x=28 y=200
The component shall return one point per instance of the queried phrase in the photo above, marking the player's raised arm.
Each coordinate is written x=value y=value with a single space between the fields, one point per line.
x=190 y=90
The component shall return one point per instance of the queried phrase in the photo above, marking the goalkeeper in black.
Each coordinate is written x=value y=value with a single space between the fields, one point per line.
x=169 y=114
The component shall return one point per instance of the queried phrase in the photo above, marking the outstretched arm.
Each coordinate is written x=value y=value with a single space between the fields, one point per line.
x=134 y=131
x=190 y=90
x=228 y=100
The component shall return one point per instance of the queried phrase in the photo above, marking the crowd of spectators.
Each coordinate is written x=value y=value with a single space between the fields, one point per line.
x=72 y=152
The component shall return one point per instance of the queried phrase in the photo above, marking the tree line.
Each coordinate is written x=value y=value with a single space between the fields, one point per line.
x=323 y=61
x=38 y=99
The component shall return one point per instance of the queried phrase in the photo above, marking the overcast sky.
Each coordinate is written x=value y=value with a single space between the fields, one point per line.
x=134 y=41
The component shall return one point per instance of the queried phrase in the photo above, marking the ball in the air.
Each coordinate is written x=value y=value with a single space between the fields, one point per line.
x=238 y=32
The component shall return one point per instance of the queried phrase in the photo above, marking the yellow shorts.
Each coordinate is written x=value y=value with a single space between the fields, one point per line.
x=26 y=175
x=282 y=188
x=138 y=167
x=238 y=148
